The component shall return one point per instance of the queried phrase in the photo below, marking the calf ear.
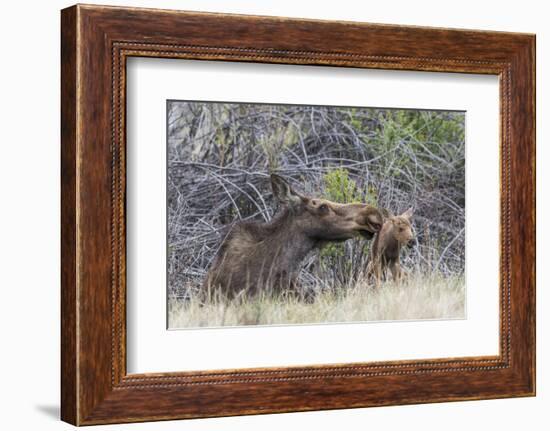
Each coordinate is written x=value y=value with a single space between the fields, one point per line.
x=408 y=214
x=283 y=192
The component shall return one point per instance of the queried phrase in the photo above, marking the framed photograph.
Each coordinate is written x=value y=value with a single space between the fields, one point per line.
x=264 y=214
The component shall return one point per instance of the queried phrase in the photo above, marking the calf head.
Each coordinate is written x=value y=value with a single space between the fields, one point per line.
x=401 y=225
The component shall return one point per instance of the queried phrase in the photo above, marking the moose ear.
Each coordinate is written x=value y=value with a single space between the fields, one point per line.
x=283 y=192
x=408 y=214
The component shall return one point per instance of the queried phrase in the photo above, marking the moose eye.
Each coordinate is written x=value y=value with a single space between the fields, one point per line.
x=323 y=208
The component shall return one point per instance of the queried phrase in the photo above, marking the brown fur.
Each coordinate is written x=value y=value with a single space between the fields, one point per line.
x=258 y=256
x=396 y=232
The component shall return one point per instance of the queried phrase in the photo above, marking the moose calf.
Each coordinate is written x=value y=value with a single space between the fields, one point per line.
x=395 y=232
x=258 y=256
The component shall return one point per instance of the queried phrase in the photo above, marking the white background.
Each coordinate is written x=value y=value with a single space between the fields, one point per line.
x=29 y=215
x=153 y=349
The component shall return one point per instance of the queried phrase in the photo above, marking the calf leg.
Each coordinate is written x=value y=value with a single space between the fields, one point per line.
x=379 y=273
x=374 y=269
x=396 y=272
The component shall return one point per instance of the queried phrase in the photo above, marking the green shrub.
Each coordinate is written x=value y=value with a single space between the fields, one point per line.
x=339 y=187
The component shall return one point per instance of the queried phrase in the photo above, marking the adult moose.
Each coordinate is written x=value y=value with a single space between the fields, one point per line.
x=257 y=257
x=395 y=233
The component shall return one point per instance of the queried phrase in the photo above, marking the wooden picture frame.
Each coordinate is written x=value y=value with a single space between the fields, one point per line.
x=95 y=43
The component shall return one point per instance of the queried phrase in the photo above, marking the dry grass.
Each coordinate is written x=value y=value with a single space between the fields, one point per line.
x=420 y=297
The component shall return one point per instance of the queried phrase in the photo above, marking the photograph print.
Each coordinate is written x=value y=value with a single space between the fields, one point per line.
x=300 y=214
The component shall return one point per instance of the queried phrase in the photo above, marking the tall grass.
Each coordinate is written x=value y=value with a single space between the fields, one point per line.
x=421 y=296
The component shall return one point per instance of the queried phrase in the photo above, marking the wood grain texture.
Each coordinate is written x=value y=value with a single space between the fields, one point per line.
x=96 y=41
x=69 y=397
